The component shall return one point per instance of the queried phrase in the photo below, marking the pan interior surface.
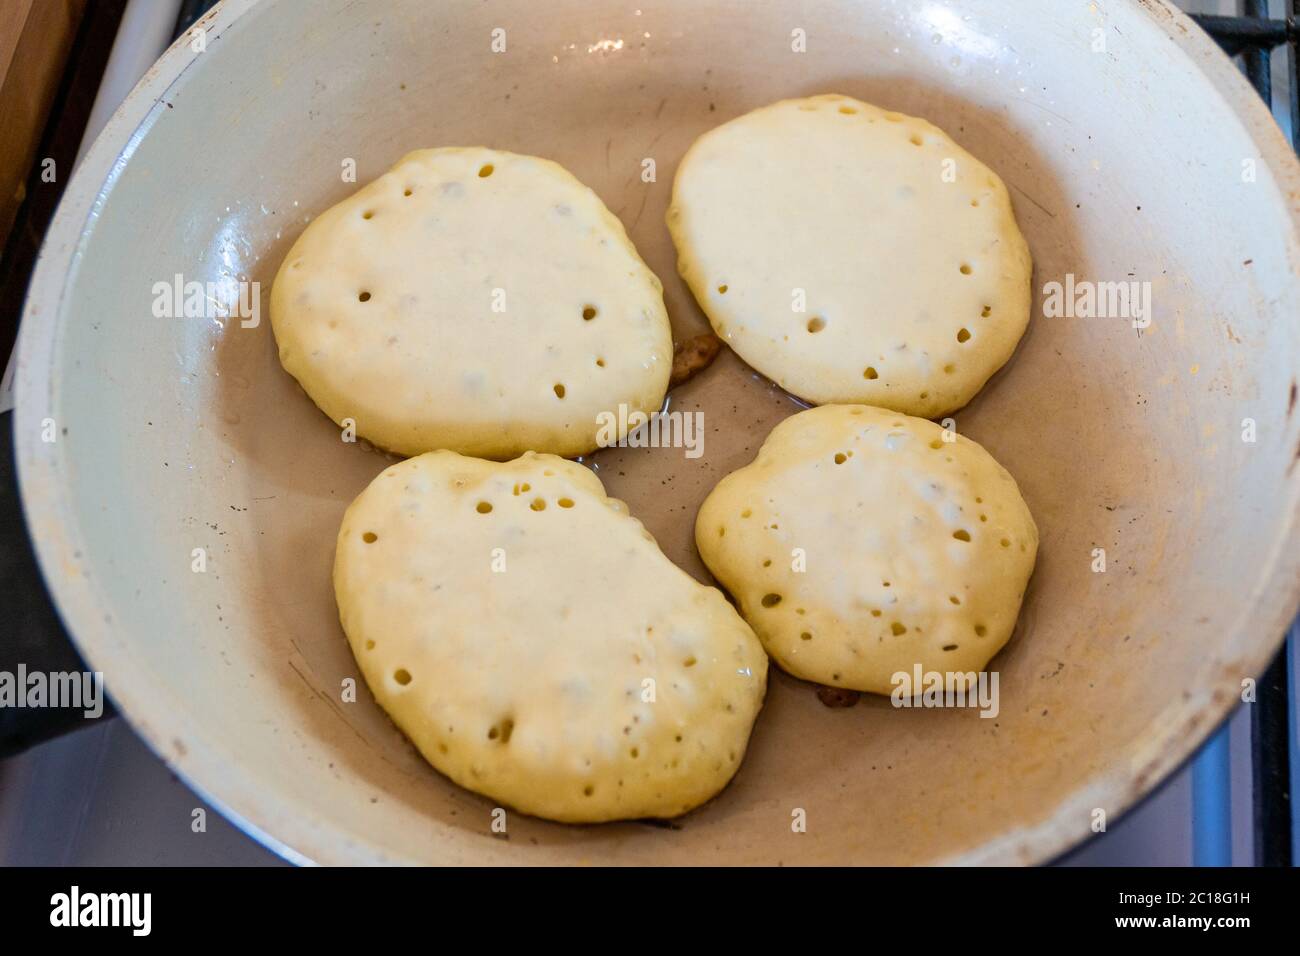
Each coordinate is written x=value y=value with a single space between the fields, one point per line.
x=177 y=433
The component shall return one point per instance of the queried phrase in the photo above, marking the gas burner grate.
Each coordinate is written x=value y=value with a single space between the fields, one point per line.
x=1253 y=37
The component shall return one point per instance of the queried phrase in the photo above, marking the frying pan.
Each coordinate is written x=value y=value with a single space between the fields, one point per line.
x=1133 y=150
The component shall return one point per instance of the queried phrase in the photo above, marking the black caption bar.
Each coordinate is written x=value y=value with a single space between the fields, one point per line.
x=215 y=905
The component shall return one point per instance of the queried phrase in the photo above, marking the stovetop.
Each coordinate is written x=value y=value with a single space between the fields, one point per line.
x=99 y=796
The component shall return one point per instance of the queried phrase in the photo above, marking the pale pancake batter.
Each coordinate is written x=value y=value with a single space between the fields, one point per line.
x=859 y=544
x=535 y=644
x=475 y=300
x=852 y=254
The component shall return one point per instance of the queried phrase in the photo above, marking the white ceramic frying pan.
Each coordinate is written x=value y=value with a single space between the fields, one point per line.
x=1133 y=150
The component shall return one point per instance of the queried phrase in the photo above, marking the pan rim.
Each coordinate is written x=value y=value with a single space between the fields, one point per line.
x=303 y=838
